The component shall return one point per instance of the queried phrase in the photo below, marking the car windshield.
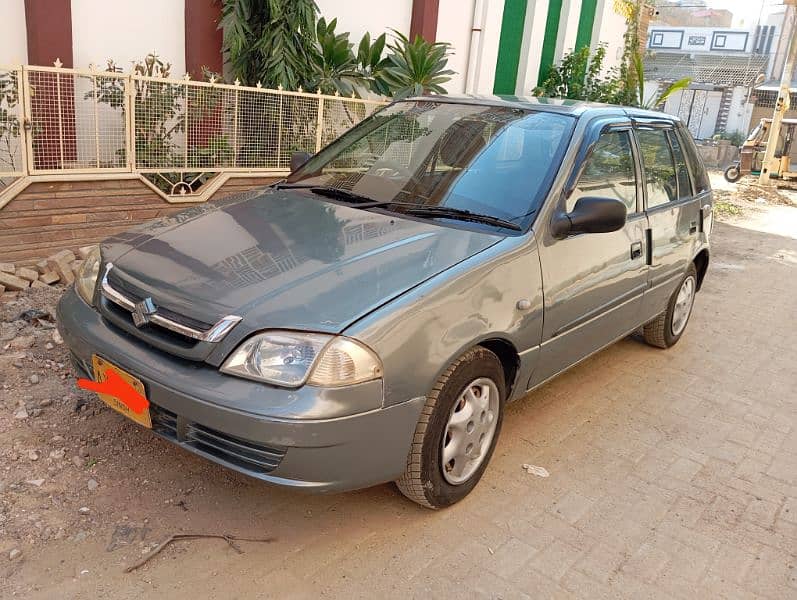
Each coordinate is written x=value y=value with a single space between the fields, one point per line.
x=487 y=160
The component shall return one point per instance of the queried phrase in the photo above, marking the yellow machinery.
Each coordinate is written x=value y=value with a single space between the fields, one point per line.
x=751 y=152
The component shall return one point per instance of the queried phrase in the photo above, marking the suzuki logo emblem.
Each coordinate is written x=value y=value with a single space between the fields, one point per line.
x=143 y=311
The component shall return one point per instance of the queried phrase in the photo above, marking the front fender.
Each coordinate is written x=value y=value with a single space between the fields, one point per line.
x=420 y=333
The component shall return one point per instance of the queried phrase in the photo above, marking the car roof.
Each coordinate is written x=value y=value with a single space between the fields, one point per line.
x=576 y=108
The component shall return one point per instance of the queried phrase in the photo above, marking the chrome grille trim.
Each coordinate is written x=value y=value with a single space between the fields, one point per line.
x=215 y=334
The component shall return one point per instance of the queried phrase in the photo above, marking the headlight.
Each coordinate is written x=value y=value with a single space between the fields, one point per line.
x=86 y=279
x=292 y=358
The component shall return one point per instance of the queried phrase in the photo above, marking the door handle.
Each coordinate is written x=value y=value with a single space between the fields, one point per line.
x=693 y=227
x=636 y=250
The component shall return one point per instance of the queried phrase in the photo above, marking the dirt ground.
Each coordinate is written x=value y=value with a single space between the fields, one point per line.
x=672 y=473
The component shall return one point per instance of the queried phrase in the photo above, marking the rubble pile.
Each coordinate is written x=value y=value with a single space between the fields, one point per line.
x=61 y=267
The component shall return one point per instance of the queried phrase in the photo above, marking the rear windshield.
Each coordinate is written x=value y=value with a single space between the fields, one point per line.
x=490 y=160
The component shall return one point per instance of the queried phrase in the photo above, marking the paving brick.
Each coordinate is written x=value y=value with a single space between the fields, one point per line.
x=789 y=510
x=572 y=507
x=685 y=469
x=7 y=268
x=731 y=563
x=26 y=273
x=556 y=559
x=62 y=267
x=12 y=282
x=761 y=512
x=510 y=557
x=49 y=277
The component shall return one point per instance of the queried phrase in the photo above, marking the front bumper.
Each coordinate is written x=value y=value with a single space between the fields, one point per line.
x=299 y=438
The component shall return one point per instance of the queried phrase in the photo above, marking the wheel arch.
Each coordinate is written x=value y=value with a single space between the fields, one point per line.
x=509 y=357
x=701 y=265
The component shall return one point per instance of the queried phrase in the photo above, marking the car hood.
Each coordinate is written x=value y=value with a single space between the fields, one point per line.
x=284 y=258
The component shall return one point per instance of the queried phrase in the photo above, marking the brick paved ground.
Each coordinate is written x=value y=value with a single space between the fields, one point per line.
x=673 y=474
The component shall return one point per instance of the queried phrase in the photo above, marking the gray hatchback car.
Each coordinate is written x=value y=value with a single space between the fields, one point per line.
x=368 y=318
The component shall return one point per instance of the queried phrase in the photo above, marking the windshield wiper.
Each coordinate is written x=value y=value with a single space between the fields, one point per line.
x=460 y=214
x=329 y=192
x=410 y=208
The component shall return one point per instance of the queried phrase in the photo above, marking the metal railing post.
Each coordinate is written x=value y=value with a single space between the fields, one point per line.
x=187 y=124
x=60 y=119
x=24 y=121
x=130 y=122
x=235 y=128
x=319 y=123
x=96 y=120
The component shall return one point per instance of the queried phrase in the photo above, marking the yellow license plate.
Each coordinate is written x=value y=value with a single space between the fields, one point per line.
x=101 y=367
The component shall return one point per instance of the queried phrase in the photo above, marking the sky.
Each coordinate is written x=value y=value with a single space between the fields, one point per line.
x=745 y=12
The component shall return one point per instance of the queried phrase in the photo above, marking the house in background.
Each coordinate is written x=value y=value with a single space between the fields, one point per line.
x=499 y=46
x=724 y=64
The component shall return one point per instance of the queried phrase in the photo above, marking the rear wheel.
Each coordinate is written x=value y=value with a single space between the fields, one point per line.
x=666 y=329
x=733 y=174
x=457 y=431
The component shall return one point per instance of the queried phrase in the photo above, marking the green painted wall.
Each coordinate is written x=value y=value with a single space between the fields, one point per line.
x=585 y=22
x=549 y=41
x=509 y=46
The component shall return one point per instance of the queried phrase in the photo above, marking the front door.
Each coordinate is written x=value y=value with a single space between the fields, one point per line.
x=593 y=283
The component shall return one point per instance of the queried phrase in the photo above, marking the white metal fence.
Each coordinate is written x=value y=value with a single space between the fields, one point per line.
x=175 y=132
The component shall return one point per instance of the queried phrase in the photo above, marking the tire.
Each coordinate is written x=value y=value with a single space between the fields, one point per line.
x=732 y=174
x=665 y=330
x=424 y=480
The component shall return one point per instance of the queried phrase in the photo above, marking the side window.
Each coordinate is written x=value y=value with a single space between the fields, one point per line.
x=608 y=172
x=684 y=186
x=699 y=176
x=660 y=180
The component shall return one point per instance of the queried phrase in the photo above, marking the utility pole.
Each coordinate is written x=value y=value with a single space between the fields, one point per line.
x=782 y=103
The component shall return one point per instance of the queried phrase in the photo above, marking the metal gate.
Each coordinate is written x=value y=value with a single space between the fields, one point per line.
x=699 y=109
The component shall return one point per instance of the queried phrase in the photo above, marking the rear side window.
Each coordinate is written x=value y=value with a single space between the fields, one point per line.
x=699 y=176
x=660 y=179
x=681 y=171
x=608 y=172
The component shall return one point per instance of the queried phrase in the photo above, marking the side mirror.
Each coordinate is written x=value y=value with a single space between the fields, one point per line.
x=298 y=159
x=590 y=215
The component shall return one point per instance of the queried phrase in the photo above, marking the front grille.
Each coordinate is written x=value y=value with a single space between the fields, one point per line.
x=134 y=295
x=179 y=335
x=150 y=331
x=163 y=421
x=244 y=454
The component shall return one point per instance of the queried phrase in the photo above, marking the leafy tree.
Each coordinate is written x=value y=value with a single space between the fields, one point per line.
x=270 y=41
x=578 y=77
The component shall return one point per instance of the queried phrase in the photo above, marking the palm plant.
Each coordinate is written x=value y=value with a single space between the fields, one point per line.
x=415 y=67
x=639 y=77
x=371 y=63
x=335 y=68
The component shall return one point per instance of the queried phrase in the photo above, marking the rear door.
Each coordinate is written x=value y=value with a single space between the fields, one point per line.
x=593 y=282
x=672 y=211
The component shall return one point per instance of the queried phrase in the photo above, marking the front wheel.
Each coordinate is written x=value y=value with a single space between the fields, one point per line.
x=457 y=431
x=666 y=329
x=732 y=174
